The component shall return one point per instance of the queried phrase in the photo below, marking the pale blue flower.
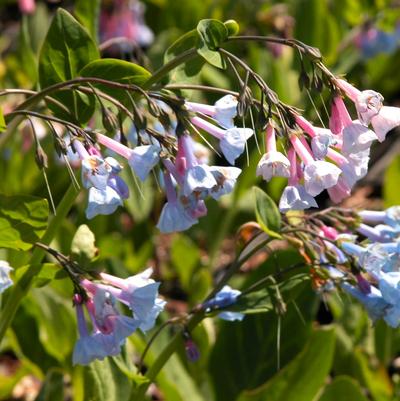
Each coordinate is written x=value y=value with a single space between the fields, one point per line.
x=226 y=179
x=273 y=164
x=225 y=297
x=5 y=280
x=392 y=217
x=102 y=201
x=357 y=138
x=174 y=218
x=226 y=110
x=320 y=175
x=198 y=178
x=233 y=142
x=321 y=143
x=143 y=159
x=374 y=302
x=295 y=197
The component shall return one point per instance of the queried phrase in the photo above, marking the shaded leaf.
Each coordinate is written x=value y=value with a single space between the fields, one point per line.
x=67 y=48
x=267 y=213
x=23 y=221
x=83 y=245
x=88 y=13
x=343 y=388
x=53 y=387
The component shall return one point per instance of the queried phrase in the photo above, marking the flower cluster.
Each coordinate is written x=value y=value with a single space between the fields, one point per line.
x=187 y=177
x=365 y=262
x=110 y=328
x=333 y=159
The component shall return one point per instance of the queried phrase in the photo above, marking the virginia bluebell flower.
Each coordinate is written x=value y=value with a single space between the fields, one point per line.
x=5 y=279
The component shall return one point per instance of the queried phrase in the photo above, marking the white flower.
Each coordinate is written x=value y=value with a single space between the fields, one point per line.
x=226 y=110
x=387 y=119
x=357 y=138
x=233 y=142
x=272 y=164
x=295 y=197
x=320 y=175
x=368 y=105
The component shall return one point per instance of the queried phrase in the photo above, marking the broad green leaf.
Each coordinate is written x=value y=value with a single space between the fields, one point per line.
x=23 y=221
x=88 y=13
x=53 y=387
x=57 y=325
x=245 y=353
x=103 y=381
x=67 y=48
x=267 y=213
x=47 y=273
x=185 y=257
x=212 y=32
x=116 y=70
x=3 y=125
x=343 y=388
x=83 y=245
x=188 y=71
x=303 y=377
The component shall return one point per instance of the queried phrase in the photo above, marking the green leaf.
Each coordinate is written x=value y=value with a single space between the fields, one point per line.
x=188 y=71
x=212 y=32
x=3 y=125
x=185 y=256
x=23 y=221
x=67 y=48
x=83 y=245
x=245 y=353
x=47 y=273
x=116 y=70
x=343 y=388
x=303 y=377
x=53 y=387
x=103 y=381
x=212 y=57
x=267 y=213
x=56 y=323
x=88 y=13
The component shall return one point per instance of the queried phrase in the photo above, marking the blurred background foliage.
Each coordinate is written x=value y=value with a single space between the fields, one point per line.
x=323 y=348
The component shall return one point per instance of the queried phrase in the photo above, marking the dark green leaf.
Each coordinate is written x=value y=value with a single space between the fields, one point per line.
x=303 y=377
x=57 y=328
x=67 y=48
x=267 y=213
x=116 y=70
x=47 y=273
x=23 y=221
x=343 y=388
x=88 y=12
x=212 y=32
x=185 y=72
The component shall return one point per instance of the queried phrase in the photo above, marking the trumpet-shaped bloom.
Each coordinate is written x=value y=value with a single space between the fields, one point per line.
x=320 y=175
x=321 y=142
x=5 y=279
x=226 y=110
x=273 y=164
x=368 y=105
x=102 y=201
x=233 y=142
x=357 y=138
x=226 y=179
x=295 y=197
x=143 y=159
x=198 y=178
x=174 y=218
x=387 y=119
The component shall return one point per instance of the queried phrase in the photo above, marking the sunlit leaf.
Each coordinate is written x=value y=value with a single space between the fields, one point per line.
x=267 y=213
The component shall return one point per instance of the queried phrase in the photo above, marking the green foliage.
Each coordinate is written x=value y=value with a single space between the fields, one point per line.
x=88 y=13
x=343 y=388
x=267 y=213
x=303 y=377
x=23 y=221
x=83 y=245
x=3 y=125
x=62 y=60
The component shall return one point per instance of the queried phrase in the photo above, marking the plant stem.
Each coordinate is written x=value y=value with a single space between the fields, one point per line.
x=23 y=285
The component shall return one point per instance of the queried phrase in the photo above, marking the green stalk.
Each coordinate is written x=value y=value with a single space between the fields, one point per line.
x=22 y=287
